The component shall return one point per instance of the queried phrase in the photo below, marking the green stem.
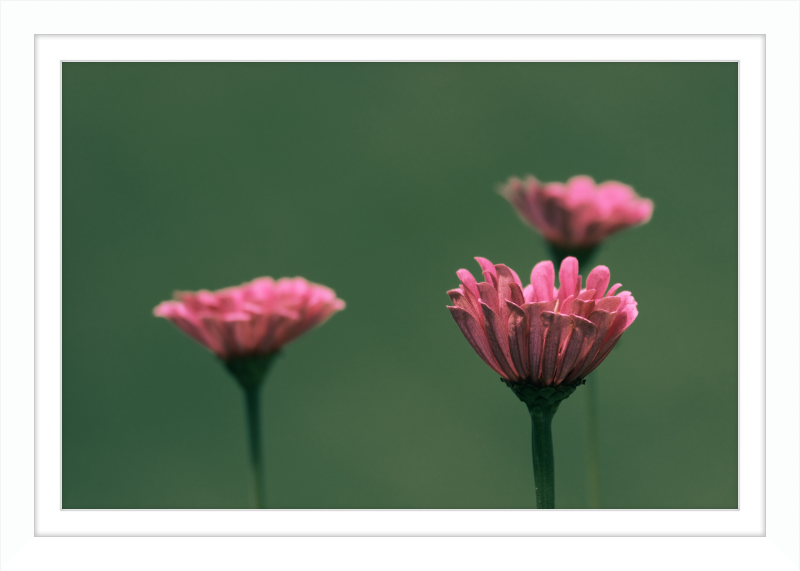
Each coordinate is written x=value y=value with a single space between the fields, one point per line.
x=592 y=446
x=543 y=459
x=250 y=372
x=253 y=406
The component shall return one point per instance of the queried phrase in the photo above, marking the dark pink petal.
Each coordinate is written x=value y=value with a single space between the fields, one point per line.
x=518 y=339
x=507 y=289
x=598 y=280
x=608 y=303
x=516 y=278
x=536 y=334
x=602 y=320
x=488 y=295
x=543 y=279
x=461 y=300
x=497 y=333
x=582 y=308
x=470 y=288
x=600 y=357
x=515 y=294
x=505 y=281
x=626 y=313
x=559 y=330
x=476 y=337
x=489 y=272
x=579 y=343
x=586 y=294
x=566 y=307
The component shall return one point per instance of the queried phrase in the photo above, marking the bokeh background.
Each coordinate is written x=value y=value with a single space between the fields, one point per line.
x=379 y=180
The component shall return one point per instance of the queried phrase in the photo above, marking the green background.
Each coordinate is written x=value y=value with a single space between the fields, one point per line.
x=379 y=180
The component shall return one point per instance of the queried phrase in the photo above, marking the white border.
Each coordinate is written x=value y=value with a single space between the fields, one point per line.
x=50 y=520
x=778 y=549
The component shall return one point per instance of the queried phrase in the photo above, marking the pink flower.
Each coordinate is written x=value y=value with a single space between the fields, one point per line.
x=256 y=318
x=539 y=334
x=578 y=214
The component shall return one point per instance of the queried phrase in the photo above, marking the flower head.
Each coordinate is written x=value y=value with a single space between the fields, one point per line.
x=538 y=334
x=579 y=214
x=254 y=319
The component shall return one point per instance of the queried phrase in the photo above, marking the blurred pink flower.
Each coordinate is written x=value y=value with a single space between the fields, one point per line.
x=254 y=319
x=579 y=214
x=539 y=334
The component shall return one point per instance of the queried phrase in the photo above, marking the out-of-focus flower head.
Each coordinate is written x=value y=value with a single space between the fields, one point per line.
x=251 y=320
x=577 y=215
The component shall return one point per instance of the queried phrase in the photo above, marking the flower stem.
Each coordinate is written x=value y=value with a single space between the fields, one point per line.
x=543 y=458
x=542 y=403
x=592 y=447
x=253 y=406
x=250 y=372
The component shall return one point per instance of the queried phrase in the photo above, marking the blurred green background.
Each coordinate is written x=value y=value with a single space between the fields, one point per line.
x=378 y=180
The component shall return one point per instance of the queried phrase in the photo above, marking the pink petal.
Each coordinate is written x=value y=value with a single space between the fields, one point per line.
x=613 y=289
x=488 y=295
x=489 y=272
x=470 y=288
x=518 y=339
x=567 y=278
x=566 y=307
x=475 y=336
x=507 y=286
x=579 y=343
x=582 y=308
x=460 y=300
x=536 y=334
x=626 y=314
x=497 y=333
x=543 y=279
x=559 y=330
x=598 y=280
x=516 y=278
x=602 y=320
x=528 y=294
x=608 y=303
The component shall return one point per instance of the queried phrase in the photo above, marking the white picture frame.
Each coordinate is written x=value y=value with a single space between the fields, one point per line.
x=36 y=36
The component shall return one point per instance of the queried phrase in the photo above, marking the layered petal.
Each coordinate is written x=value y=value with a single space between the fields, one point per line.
x=476 y=337
x=577 y=214
x=497 y=333
x=543 y=279
x=538 y=334
x=256 y=318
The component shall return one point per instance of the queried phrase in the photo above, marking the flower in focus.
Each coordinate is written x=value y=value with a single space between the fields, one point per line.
x=538 y=334
x=251 y=320
x=580 y=214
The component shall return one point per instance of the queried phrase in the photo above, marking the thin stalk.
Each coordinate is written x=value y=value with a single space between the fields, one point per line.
x=250 y=372
x=592 y=445
x=543 y=458
x=253 y=406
